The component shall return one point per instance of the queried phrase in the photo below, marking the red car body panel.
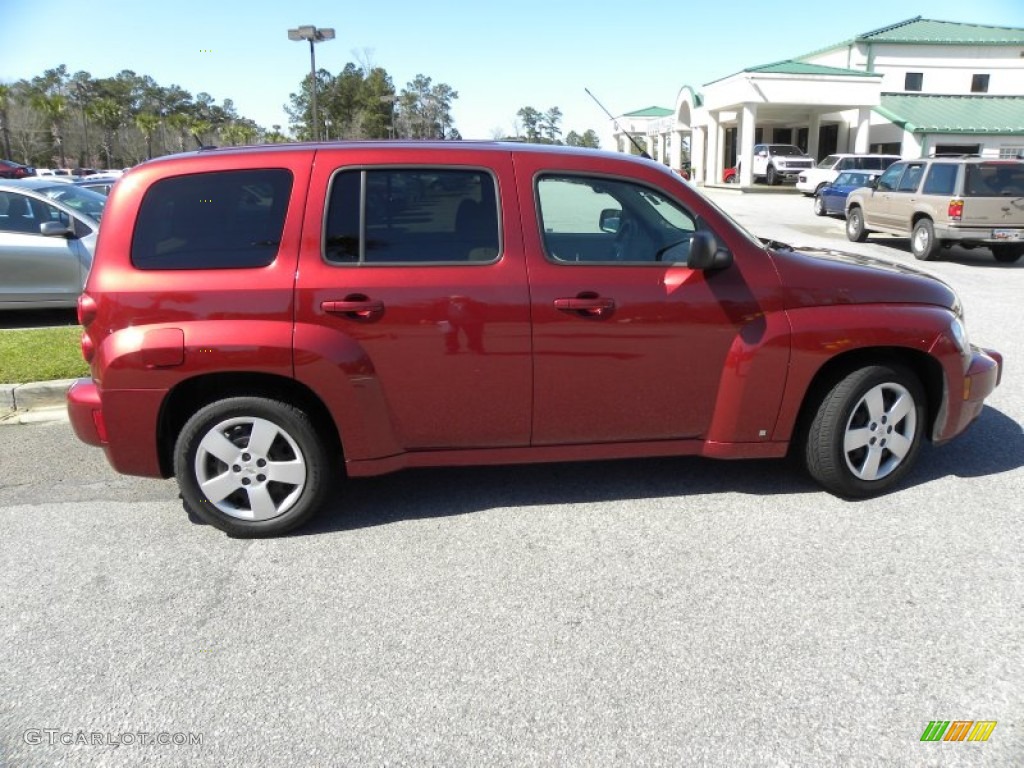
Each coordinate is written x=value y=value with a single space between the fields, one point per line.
x=489 y=362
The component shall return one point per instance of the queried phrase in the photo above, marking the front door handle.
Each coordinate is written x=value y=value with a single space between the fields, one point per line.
x=586 y=305
x=355 y=307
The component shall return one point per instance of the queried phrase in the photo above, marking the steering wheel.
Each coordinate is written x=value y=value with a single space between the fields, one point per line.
x=625 y=239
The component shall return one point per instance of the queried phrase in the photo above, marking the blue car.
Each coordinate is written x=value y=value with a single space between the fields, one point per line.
x=831 y=200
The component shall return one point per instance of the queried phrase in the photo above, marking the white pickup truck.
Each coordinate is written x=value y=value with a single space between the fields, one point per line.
x=776 y=163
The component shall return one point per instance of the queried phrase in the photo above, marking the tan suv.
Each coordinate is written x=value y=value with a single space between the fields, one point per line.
x=944 y=201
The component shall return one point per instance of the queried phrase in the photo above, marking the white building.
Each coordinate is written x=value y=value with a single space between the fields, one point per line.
x=916 y=88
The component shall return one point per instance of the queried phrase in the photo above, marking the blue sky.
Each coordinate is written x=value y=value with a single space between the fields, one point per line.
x=498 y=56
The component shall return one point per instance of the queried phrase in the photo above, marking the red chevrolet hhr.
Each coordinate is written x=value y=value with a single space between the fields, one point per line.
x=261 y=322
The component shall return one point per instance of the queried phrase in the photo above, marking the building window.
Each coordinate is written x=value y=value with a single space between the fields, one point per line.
x=979 y=84
x=913 y=81
x=1009 y=152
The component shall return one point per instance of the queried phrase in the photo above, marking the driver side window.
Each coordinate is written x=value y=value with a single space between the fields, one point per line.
x=597 y=220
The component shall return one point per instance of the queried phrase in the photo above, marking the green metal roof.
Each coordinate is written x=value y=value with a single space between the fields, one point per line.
x=925 y=113
x=791 y=67
x=650 y=112
x=918 y=30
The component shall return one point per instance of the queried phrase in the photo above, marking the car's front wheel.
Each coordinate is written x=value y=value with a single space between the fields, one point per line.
x=819 y=206
x=1007 y=254
x=866 y=431
x=251 y=466
x=923 y=242
x=855 y=231
x=772 y=176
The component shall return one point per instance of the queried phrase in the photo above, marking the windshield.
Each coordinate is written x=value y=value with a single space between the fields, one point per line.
x=82 y=200
x=828 y=162
x=786 y=150
x=853 y=179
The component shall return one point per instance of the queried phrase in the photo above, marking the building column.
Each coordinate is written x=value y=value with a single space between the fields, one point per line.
x=698 y=166
x=713 y=174
x=912 y=145
x=657 y=148
x=861 y=143
x=746 y=149
x=676 y=150
x=813 y=130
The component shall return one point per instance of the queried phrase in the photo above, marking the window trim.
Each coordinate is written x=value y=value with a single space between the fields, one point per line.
x=539 y=219
x=363 y=168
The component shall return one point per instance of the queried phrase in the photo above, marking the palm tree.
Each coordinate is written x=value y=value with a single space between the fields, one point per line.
x=147 y=123
x=53 y=107
x=110 y=115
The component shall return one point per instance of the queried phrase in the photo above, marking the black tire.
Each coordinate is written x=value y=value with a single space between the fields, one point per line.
x=1007 y=254
x=881 y=406
x=855 y=231
x=771 y=176
x=251 y=502
x=819 y=206
x=923 y=244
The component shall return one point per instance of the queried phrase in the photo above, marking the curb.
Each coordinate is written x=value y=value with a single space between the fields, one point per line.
x=33 y=403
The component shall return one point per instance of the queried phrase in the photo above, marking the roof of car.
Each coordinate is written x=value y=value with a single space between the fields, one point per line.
x=401 y=145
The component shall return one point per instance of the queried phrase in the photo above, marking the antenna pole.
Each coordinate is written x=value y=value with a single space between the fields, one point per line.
x=617 y=126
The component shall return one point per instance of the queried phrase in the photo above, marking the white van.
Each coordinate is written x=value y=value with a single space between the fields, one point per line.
x=825 y=172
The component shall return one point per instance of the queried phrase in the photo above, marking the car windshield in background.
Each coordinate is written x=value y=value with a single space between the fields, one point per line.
x=82 y=200
x=852 y=179
x=995 y=180
x=828 y=162
x=786 y=150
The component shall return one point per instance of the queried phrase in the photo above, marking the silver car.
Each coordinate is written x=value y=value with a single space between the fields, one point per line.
x=48 y=234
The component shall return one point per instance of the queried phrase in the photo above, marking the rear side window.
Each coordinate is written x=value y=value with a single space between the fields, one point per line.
x=941 y=179
x=911 y=178
x=994 y=180
x=412 y=216
x=220 y=220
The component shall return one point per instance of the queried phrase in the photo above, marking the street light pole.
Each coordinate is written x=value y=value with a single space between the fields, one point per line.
x=314 y=35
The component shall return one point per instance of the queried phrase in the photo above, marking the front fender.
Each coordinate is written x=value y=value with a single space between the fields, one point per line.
x=825 y=336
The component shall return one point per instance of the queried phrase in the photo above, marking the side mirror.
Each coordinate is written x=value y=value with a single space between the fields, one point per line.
x=55 y=229
x=610 y=220
x=872 y=182
x=763 y=153
x=705 y=254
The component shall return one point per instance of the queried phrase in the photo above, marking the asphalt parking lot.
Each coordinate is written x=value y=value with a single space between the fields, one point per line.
x=667 y=612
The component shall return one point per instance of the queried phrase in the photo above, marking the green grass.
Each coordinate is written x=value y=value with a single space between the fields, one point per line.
x=41 y=354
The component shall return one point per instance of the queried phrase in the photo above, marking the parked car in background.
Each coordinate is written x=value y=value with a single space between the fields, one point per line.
x=100 y=184
x=12 y=170
x=943 y=201
x=826 y=171
x=776 y=163
x=47 y=242
x=831 y=198
x=258 y=318
x=67 y=193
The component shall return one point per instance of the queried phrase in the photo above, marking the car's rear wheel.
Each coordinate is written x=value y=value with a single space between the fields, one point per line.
x=866 y=431
x=819 y=206
x=251 y=466
x=922 y=240
x=855 y=231
x=1007 y=254
x=772 y=176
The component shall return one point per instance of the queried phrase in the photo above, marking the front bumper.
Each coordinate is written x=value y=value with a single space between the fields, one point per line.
x=965 y=403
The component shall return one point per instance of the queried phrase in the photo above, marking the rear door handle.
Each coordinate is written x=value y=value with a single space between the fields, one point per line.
x=588 y=306
x=355 y=307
